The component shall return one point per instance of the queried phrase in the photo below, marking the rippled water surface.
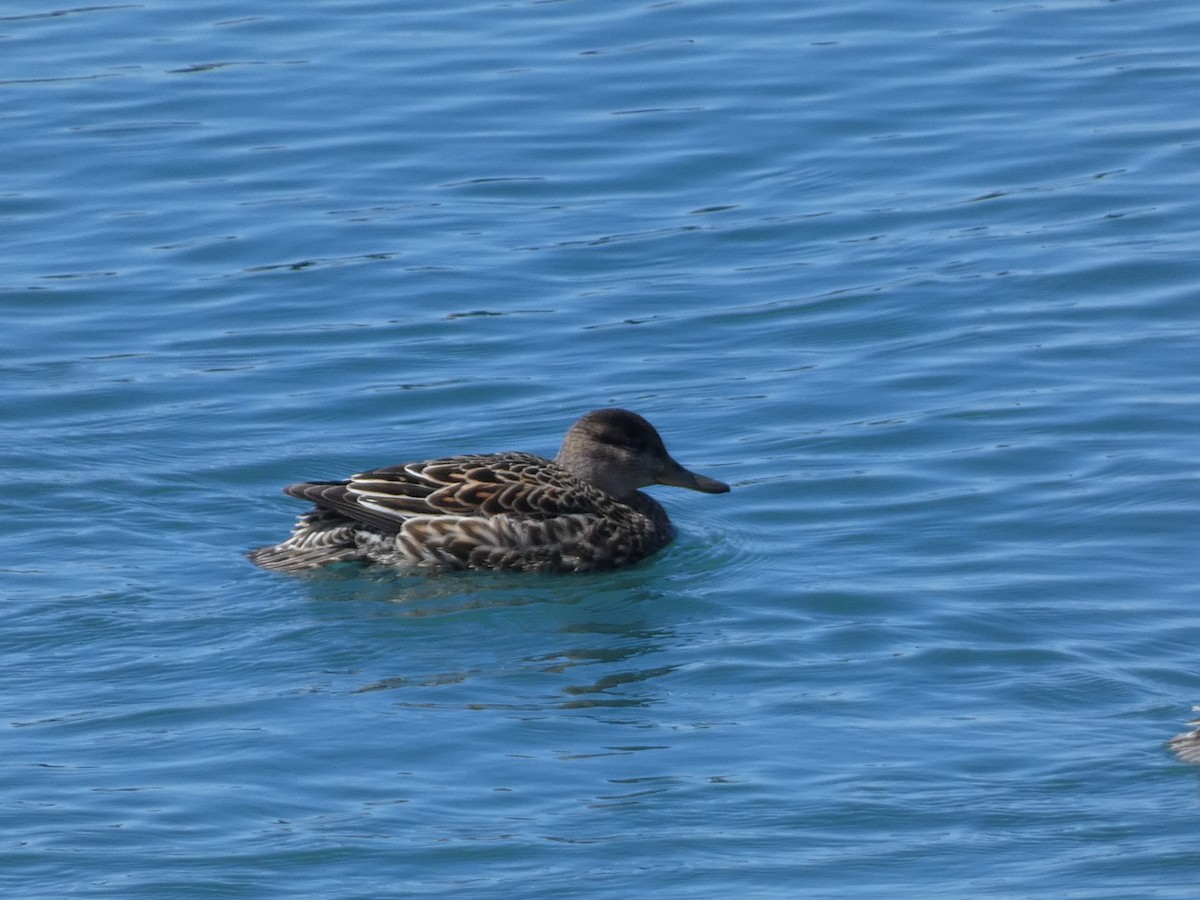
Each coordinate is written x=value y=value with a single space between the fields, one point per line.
x=918 y=280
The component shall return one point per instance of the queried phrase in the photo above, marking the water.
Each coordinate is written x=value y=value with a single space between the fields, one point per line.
x=918 y=280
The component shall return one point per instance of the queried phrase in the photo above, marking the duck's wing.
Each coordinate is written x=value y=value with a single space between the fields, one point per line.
x=481 y=486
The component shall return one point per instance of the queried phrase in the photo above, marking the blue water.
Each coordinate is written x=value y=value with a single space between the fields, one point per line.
x=918 y=280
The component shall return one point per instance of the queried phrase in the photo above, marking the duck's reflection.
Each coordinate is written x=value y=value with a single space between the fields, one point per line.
x=588 y=642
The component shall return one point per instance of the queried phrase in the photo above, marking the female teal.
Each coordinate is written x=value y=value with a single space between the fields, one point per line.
x=580 y=512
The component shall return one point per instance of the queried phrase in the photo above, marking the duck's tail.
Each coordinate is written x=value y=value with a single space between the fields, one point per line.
x=320 y=537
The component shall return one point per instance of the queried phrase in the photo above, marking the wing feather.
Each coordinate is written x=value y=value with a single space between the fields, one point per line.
x=517 y=485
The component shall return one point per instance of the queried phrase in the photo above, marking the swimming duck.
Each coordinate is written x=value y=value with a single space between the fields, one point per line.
x=1187 y=745
x=580 y=512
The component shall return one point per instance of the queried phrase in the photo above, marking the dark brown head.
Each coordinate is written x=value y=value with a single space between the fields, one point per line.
x=618 y=451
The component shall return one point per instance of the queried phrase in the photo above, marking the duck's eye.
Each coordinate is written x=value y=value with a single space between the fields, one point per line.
x=624 y=442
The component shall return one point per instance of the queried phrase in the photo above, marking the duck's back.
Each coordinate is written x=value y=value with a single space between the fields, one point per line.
x=513 y=511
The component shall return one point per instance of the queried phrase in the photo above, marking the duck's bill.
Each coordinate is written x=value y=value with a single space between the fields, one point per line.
x=677 y=476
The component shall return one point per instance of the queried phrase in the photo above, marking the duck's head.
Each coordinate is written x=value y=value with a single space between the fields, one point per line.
x=618 y=451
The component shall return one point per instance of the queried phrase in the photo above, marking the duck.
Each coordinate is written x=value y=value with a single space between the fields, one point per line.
x=579 y=512
x=1186 y=746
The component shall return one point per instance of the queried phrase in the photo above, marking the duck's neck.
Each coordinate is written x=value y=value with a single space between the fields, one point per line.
x=586 y=467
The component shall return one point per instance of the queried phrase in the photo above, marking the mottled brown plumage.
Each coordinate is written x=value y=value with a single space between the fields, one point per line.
x=579 y=512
